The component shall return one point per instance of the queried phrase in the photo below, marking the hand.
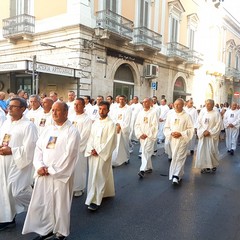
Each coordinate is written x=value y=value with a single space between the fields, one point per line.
x=5 y=150
x=176 y=134
x=94 y=153
x=206 y=133
x=143 y=136
x=43 y=171
x=118 y=127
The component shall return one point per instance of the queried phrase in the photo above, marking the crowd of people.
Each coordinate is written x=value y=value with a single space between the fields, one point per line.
x=53 y=150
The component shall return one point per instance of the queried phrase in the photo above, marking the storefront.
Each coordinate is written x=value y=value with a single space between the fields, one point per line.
x=36 y=79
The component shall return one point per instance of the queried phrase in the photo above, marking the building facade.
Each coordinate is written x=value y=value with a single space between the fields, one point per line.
x=176 y=48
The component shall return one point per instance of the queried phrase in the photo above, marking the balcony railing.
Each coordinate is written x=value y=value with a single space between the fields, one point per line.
x=194 y=57
x=107 y=19
x=18 y=25
x=177 y=51
x=232 y=72
x=146 y=37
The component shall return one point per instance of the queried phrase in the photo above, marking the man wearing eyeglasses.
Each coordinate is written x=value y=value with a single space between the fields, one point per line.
x=18 y=136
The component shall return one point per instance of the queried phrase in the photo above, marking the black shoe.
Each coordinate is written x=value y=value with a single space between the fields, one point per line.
x=148 y=171
x=154 y=153
x=175 y=180
x=48 y=236
x=214 y=169
x=93 y=207
x=205 y=170
x=192 y=152
x=169 y=159
x=127 y=162
x=231 y=152
x=58 y=237
x=5 y=225
x=141 y=174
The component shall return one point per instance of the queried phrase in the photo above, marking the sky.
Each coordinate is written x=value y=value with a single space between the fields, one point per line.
x=233 y=6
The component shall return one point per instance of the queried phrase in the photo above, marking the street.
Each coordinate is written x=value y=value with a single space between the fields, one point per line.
x=203 y=206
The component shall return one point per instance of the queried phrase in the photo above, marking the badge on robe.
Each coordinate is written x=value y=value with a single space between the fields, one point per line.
x=32 y=120
x=94 y=112
x=206 y=121
x=145 y=119
x=232 y=115
x=6 y=139
x=42 y=122
x=51 y=142
x=74 y=123
x=176 y=121
x=119 y=116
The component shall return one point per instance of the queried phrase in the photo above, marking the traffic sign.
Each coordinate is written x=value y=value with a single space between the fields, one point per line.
x=154 y=86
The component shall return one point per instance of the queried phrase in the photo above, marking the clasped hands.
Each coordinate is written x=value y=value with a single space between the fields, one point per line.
x=43 y=171
x=176 y=134
x=5 y=150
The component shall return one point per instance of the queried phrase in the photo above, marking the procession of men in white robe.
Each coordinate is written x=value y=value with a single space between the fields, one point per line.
x=112 y=147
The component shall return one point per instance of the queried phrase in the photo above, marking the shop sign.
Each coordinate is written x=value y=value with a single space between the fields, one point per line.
x=13 y=66
x=52 y=69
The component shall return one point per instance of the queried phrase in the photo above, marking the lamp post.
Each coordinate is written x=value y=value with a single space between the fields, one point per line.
x=33 y=72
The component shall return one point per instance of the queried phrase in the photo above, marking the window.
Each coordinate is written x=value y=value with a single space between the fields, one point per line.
x=229 y=59
x=174 y=30
x=111 y=5
x=18 y=7
x=191 y=39
x=144 y=13
x=192 y=29
x=236 y=62
x=175 y=12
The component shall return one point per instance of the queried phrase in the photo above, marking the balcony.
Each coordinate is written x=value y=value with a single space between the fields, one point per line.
x=232 y=74
x=177 y=52
x=19 y=27
x=109 y=23
x=146 y=39
x=194 y=59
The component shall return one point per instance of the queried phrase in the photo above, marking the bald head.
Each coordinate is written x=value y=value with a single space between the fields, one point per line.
x=60 y=112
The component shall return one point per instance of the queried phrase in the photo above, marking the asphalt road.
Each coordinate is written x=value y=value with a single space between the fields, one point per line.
x=203 y=207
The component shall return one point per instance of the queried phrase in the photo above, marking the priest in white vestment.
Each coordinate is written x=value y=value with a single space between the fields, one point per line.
x=18 y=138
x=122 y=119
x=70 y=103
x=135 y=107
x=208 y=130
x=45 y=118
x=55 y=158
x=35 y=109
x=146 y=128
x=178 y=130
x=192 y=111
x=83 y=124
x=100 y=146
x=231 y=121
x=164 y=109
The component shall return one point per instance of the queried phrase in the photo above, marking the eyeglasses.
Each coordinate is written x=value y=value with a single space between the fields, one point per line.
x=12 y=106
